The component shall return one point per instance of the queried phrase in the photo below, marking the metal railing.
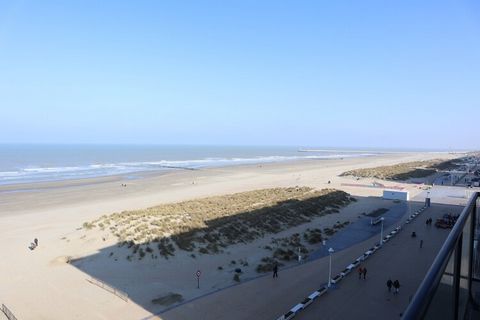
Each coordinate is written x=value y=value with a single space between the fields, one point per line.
x=119 y=293
x=447 y=291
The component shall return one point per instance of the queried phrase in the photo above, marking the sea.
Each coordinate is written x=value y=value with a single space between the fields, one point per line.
x=27 y=163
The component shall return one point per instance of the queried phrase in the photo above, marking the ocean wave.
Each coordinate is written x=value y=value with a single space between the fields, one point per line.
x=51 y=169
x=50 y=173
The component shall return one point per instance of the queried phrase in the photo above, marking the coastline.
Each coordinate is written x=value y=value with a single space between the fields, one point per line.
x=20 y=164
x=55 y=215
x=44 y=195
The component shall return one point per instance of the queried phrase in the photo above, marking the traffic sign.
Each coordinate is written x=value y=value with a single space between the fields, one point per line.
x=198 y=273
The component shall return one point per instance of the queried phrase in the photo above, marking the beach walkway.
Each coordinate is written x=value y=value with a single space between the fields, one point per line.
x=267 y=298
x=402 y=259
x=361 y=230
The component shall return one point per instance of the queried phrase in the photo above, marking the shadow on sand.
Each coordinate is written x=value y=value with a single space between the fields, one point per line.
x=136 y=278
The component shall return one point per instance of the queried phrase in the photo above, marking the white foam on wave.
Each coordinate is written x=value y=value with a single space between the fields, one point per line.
x=52 y=169
x=9 y=173
x=32 y=174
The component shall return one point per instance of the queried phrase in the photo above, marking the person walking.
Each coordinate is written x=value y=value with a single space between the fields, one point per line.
x=360 y=271
x=364 y=273
x=421 y=244
x=389 y=285
x=396 y=285
x=275 y=270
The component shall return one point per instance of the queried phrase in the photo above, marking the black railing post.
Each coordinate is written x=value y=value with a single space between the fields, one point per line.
x=457 y=264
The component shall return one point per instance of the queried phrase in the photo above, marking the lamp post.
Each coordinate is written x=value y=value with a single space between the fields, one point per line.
x=330 y=251
x=381 y=231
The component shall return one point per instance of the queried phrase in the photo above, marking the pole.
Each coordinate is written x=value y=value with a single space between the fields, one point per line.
x=198 y=273
x=381 y=234
x=330 y=251
x=330 y=272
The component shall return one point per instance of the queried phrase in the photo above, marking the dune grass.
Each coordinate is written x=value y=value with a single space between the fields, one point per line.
x=208 y=225
x=403 y=171
x=377 y=212
x=287 y=249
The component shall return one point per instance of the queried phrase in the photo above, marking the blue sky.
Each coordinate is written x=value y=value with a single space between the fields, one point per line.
x=310 y=73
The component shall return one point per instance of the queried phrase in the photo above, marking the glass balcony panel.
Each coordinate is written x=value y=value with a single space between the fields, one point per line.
x=441 y=305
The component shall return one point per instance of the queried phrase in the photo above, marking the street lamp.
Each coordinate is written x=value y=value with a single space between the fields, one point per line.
x=330 y=252
x=381 y=231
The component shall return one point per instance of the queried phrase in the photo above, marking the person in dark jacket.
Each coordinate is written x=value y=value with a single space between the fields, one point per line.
x=389 y=285
x=275 y=270
x=396 y=285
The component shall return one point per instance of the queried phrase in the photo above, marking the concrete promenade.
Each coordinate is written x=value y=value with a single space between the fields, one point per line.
x=267 y=298
x=402 y=259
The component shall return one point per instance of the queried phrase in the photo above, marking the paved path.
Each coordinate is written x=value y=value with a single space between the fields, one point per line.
x=401 y=259
x=361 y=230
x=268 y=298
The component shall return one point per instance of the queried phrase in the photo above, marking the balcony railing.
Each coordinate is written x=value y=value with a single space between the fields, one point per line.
x=451 y=287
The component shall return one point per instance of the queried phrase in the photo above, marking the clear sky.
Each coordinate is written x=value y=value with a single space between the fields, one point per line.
x=306 y=73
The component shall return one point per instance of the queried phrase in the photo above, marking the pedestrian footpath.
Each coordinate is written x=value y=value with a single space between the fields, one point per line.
x=400 y=261
x=269 y=298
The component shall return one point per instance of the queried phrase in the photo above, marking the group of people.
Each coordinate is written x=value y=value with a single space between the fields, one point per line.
x=362 y=271
x=429 y=221
x=395 y=284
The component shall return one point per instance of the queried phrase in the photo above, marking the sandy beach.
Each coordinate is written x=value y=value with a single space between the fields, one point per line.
x=50 y=282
